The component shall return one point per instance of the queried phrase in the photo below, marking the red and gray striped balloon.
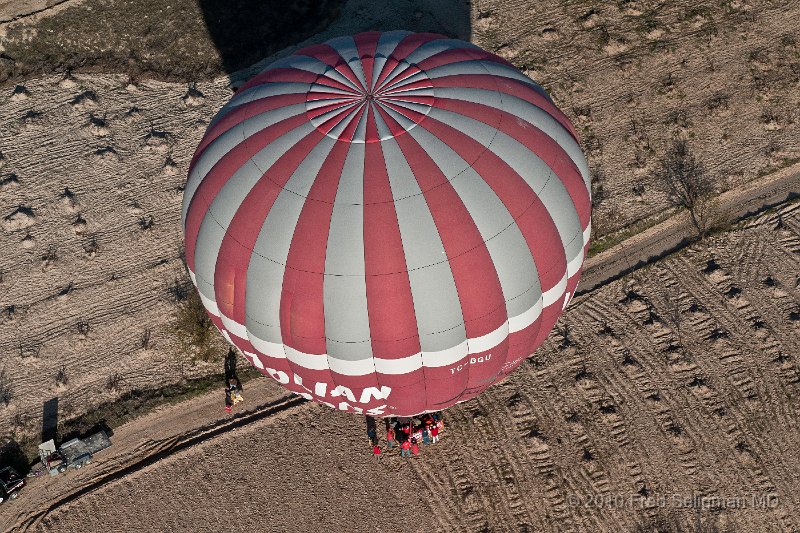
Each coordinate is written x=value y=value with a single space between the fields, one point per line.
x=387 y=223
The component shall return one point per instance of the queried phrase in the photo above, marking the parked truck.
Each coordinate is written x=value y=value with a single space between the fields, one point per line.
x=74 y=453
x=10 y=484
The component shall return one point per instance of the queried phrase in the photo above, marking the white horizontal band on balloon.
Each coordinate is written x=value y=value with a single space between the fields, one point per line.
x=402 y=365
x=552 y=295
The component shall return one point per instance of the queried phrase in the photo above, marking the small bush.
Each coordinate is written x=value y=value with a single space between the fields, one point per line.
x=146 y=339
x=61 y=375
x=113 y=382
x=598 y=178
x=51 y=256
x=6 y=390
x=146 y=222
x=197 y=333
x=180 y=289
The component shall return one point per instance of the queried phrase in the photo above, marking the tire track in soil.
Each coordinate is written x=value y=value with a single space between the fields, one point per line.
x=688 y=442
x=102 y=311
x=473 y=510
x=584 y=399
x=734 y=365
x=626 y=378
x=439 y=483
x=507 y=461
x=716 y=312
x=769 y=457
x=602 y=391
x=545 y=459
x=634 y=377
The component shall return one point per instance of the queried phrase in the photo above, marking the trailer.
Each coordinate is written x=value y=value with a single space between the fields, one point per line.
x=74 y=453
x=10 y=484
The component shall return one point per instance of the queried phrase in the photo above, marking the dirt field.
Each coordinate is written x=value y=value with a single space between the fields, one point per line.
x=91 y=192
x=632 y=409
x=642 y=399
x=630 y=74
x=633 y=74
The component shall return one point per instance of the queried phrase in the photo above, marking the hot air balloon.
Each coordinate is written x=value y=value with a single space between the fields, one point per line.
x=387 y=223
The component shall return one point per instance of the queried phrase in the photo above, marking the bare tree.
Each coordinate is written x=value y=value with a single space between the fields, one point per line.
x=686 y=183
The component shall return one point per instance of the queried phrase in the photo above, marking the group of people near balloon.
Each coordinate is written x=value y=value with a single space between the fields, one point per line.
x=407 y=433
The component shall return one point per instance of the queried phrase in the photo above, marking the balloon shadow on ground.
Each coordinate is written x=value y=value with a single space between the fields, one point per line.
x=246 y=32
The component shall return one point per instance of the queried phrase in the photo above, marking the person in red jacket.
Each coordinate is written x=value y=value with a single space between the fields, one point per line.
x=390 y=437
x=414 y=446
x=405 y=449
x=376 y=450
x=434 y=434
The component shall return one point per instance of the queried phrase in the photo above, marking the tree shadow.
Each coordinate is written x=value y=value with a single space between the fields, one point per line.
x=83 y=432
x=246 y=32
x=11 y=454
x=50 y=419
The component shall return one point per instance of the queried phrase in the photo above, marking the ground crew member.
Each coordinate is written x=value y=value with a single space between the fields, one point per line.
x=405 y=449
x=228 y=400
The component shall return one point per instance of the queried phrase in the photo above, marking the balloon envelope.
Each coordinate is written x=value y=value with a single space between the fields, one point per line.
x=387 y=223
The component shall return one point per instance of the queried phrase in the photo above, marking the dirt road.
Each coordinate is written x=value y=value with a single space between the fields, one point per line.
x=161 y=441
x=11 y=10
x=676 y=231
x=141 y=443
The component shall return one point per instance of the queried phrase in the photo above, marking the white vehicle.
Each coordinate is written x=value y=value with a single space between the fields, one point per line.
x=74 y=453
